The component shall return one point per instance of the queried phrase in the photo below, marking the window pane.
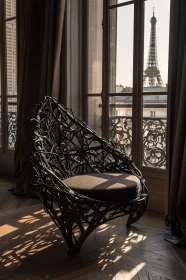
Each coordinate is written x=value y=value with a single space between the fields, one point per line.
x=95 y=113
x=12 y=118
x=11 y=51
x=10 y=8
x=120 y=123
x=156 y=42
x=95 y=37
x=121 y=48
x=154 y=131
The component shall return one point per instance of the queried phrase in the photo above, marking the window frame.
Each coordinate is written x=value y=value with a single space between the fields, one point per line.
x=138 y=93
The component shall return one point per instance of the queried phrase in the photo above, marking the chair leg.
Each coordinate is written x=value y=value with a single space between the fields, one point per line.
x=74 y=244
x=75 y=249
x=135 y=216
x=66 y=225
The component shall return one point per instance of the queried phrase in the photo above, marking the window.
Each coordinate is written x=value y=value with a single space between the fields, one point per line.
x=127 y=76
x=8 y=77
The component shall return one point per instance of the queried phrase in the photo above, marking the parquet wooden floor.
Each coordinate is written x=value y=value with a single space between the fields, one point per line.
x=9 y=202
x=31 y=248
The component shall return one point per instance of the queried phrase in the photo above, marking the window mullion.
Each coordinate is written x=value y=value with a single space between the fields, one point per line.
x=140 y=79
x=85 y=45
x=137 y=81
x=135 y=86
x=106 y=72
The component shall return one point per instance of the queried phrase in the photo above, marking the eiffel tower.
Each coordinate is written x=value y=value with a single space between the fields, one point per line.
x=151 y=76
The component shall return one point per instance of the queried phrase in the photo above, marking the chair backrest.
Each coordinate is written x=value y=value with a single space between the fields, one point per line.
x=65 y=146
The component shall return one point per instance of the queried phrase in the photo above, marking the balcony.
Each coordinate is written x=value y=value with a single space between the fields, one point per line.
x=12 y=124
x=154 y=139
x=120 y=127
x=9 y=127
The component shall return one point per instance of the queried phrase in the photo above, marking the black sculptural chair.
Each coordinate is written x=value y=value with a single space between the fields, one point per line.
x=83 y=180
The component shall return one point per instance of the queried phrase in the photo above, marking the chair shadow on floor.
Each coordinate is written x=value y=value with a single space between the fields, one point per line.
x=32 y=245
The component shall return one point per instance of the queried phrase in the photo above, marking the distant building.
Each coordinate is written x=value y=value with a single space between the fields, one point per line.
x=119 y=88
x=153 y=106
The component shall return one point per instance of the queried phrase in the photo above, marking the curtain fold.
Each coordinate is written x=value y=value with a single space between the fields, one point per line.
x=176 y=219
x=40 y=28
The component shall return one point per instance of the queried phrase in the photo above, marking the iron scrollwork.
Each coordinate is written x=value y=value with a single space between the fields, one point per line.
x=12 y=127
x=154 y=139
x=154 y=142
x=121 y=133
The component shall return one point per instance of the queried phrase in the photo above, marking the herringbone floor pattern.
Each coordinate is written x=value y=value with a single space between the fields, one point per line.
x=31 y=248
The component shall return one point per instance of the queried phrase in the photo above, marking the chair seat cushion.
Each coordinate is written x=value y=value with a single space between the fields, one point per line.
x=106 y=186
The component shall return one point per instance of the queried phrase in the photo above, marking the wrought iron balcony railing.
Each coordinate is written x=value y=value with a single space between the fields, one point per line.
x=12 y=127
x=120 y=132
x=12 y=120
x=154 y=139
x=10 y=124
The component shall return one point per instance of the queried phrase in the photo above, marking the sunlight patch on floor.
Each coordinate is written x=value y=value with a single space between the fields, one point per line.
x=6 y=229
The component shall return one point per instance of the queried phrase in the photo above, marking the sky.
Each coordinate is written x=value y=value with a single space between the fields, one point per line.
x=125 y=39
